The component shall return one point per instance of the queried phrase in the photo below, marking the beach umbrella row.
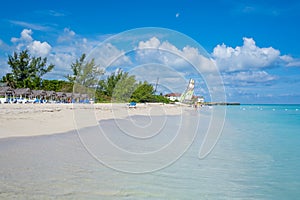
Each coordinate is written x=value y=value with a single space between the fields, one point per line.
x=41 y=94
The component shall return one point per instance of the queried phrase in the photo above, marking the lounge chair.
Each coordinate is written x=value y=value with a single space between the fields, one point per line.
x=132 y=104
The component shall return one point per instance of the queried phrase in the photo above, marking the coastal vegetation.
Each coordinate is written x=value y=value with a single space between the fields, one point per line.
x=27 y=72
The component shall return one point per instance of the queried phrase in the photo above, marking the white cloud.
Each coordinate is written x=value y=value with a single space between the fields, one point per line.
x=245 y=57
x=71 y=46
x=184 y=63
x=167 y=77
x=254 y=76
x=107 y=55
x=38 y=48
x=152 y=43
x=67 y=35
x=30 y=25
x=62 y=61
x=248 y=78
x=177 y=15
x=166 y=53
x=290 y=61
x=35 y=47
x=56 y=13
x=25 y=36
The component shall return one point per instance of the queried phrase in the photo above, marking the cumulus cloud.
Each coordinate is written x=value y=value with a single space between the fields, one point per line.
x=25 y=36
x=108 y=55
x=35 y=47
x=245 y=57
x=290 y=61
x=185 y=63
x=153 y=43
x=70 y=46
x=168 y=54
x=38 y=48
x=250 y=56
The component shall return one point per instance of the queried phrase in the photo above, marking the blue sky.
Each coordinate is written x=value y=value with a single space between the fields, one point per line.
x=255 y=44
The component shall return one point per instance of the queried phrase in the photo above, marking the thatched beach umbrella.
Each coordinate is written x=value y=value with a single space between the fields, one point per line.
x=38 y=94
x=84 y=98
x=61 y=96
x=6 y=91
x=23 y=92
x=69 y=97
x=76 y=97
x=50 y=95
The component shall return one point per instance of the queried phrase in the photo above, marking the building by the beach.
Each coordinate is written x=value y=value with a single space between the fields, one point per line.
x=176 y=97
x=173 y=96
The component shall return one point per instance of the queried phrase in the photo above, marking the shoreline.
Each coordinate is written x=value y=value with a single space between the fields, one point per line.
x=25 y=120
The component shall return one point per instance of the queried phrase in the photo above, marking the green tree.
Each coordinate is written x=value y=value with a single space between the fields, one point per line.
x=9 y=80
x=85 y=73
x=106 y=86
x=57 y=86
x=27 y=71
x=76 y=68
x=161 y=98
x=124 y=88
x=85 y=76
x=117 y=87
x=143 y=93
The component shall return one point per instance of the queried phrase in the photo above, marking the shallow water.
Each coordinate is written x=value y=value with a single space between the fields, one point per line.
x=256 y=157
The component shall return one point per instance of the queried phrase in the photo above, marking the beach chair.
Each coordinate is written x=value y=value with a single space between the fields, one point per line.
x=132 y=104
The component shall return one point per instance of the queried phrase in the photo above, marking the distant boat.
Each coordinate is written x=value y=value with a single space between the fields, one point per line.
x=187 y=95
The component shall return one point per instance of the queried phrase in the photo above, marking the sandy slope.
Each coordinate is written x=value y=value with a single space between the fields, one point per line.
x=42 y=119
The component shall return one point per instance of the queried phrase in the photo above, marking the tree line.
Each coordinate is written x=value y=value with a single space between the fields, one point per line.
x=27 y=72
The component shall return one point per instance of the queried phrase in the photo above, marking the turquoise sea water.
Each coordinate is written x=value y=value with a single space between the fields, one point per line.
x=256 y=157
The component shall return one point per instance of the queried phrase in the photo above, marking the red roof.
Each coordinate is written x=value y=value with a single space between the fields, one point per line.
x=173 y=95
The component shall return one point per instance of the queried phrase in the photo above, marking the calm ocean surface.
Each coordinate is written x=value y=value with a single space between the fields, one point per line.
x=256 y=157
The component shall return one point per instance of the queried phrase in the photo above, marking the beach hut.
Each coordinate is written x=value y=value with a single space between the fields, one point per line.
x=84 y=98
x=50 y=95
x=6 y=91
x=76 y=97
x=69 y=97
x=22 y=92
x=39 y=95
x=61 y=97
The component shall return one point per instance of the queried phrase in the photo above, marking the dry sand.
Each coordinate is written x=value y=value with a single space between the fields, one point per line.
x=17 y=120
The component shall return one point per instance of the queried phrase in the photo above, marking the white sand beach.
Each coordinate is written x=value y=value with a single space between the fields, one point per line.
x=20 y=120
